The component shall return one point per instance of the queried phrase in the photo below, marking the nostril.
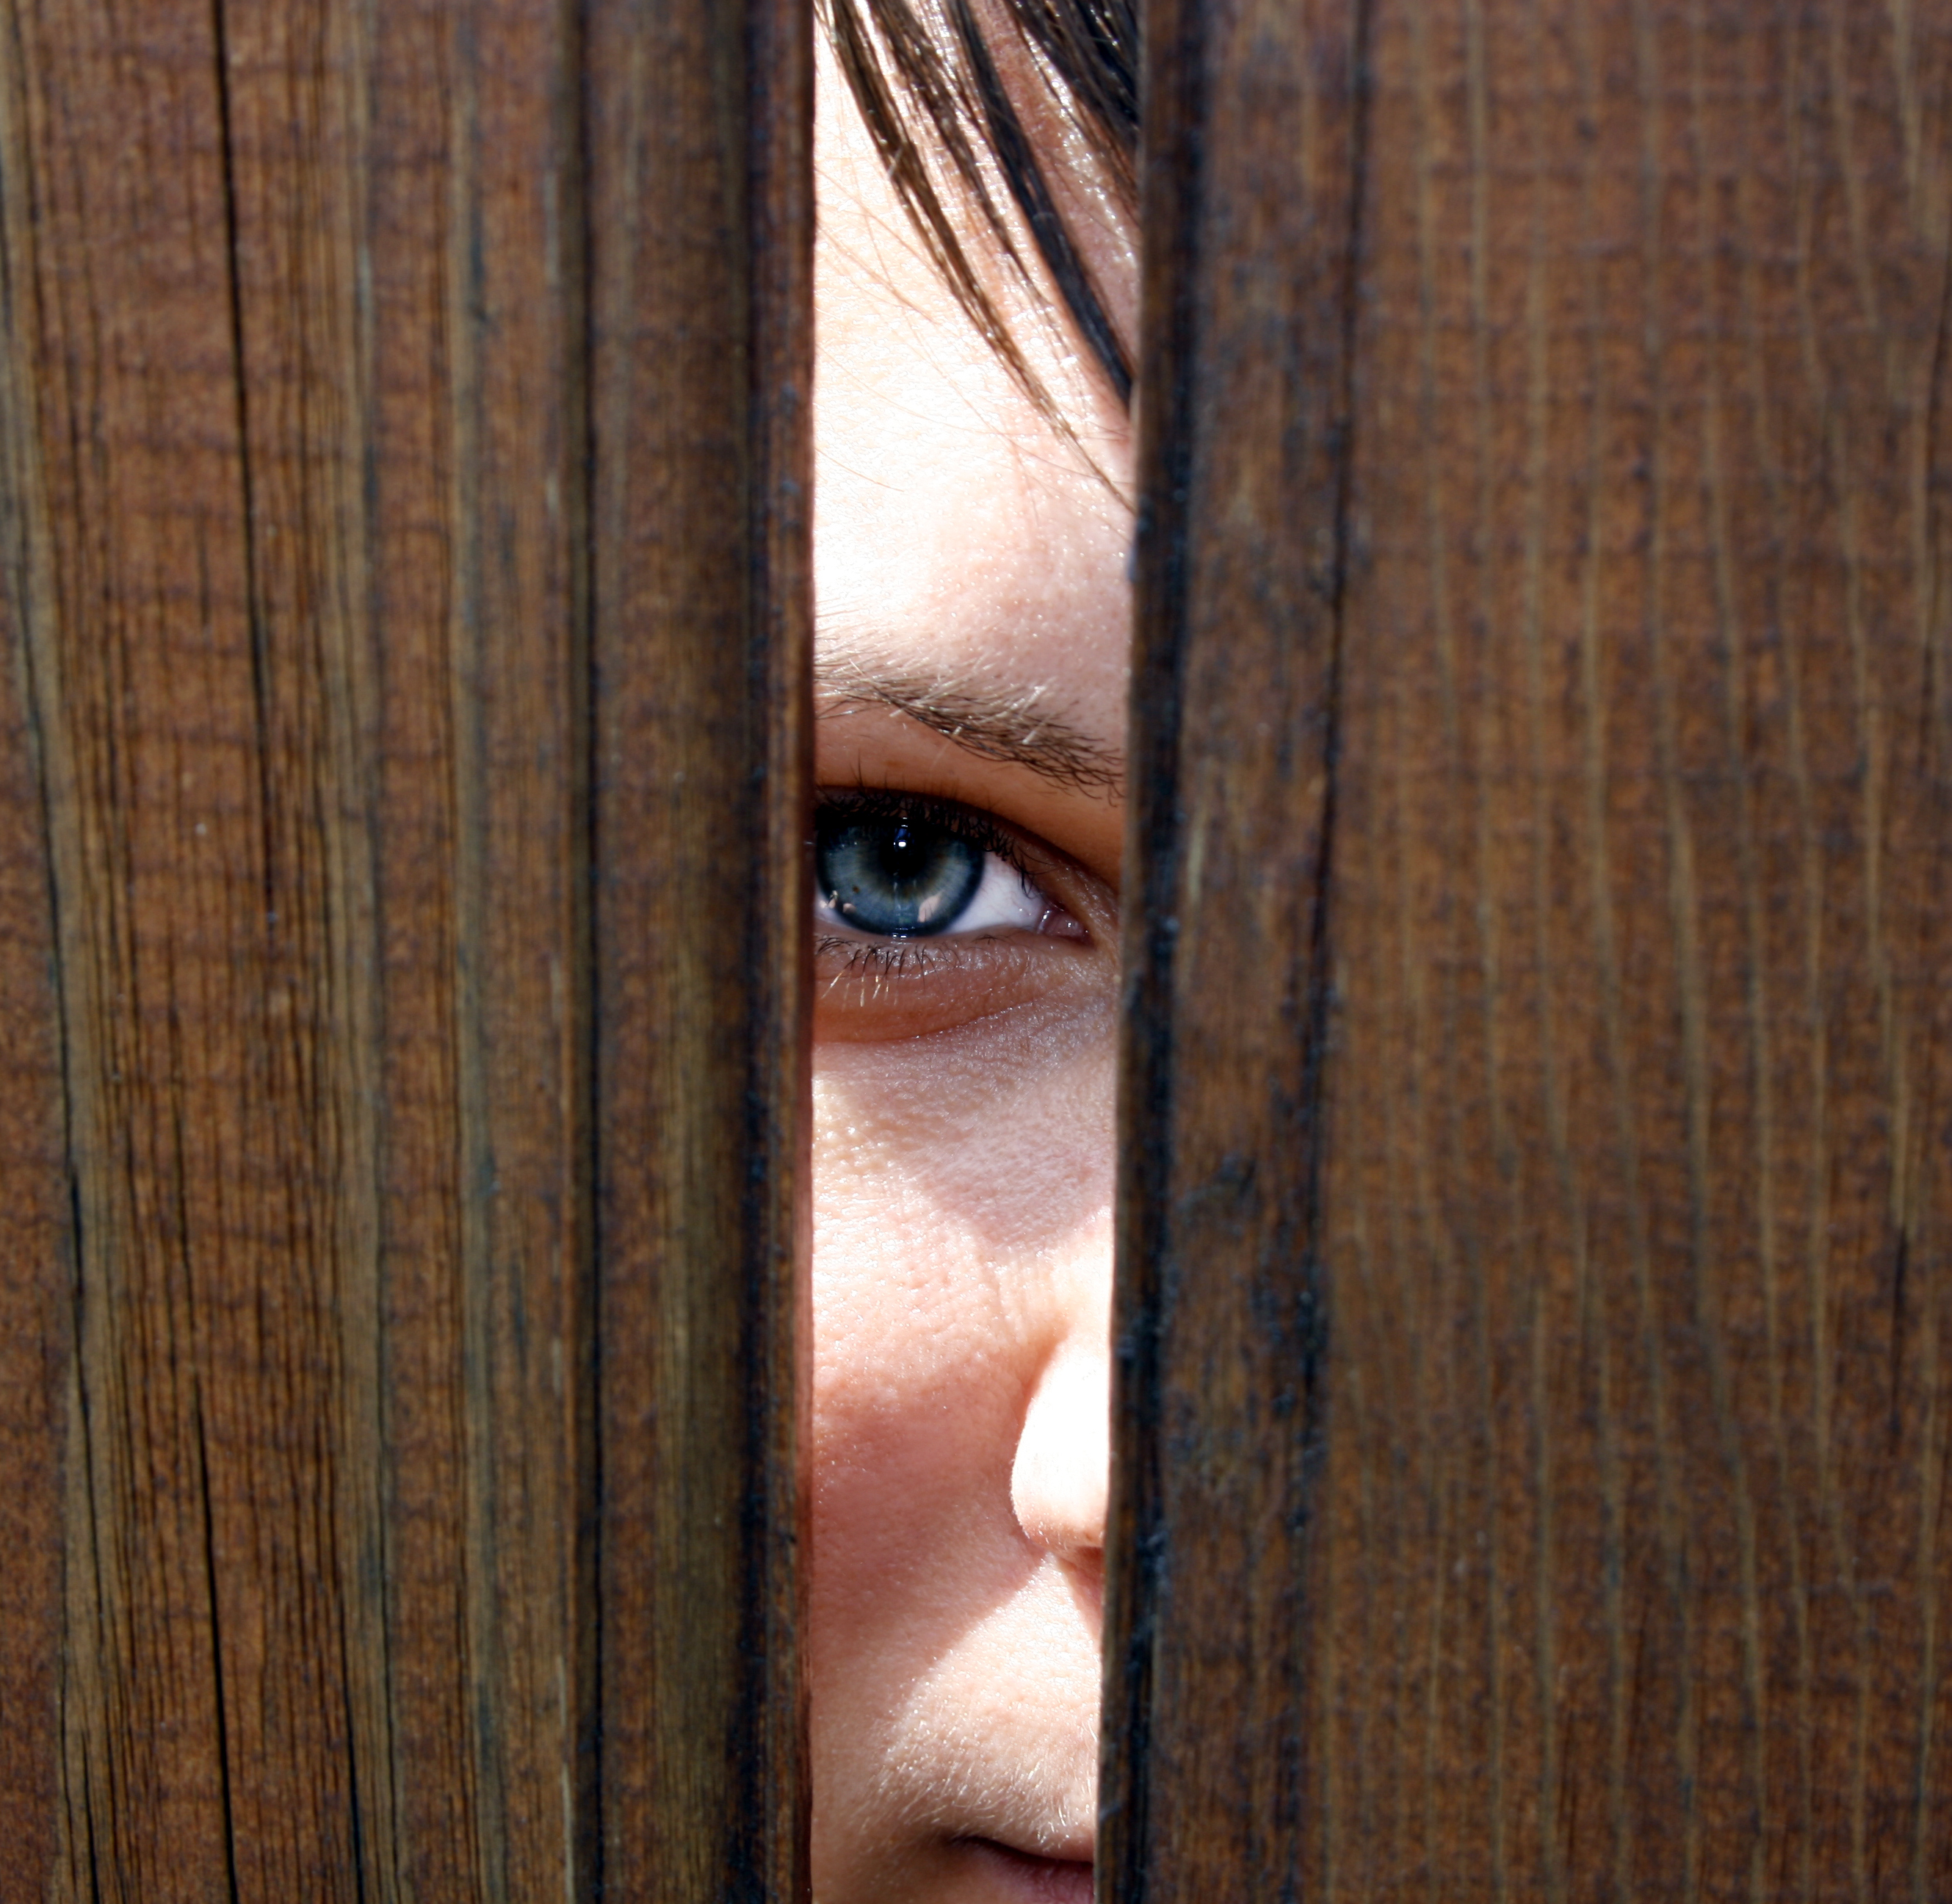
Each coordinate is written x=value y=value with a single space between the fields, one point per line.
x=1058 y=1483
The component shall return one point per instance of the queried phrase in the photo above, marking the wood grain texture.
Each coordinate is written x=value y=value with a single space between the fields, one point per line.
x=479 y=499
x=298 y=949
x=219 y=1660
x=1251 y=180
x=702 y=372
x=1639 y=1211
x=1621 y=1573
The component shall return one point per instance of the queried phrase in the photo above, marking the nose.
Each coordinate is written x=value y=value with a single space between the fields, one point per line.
x=1058 y=1484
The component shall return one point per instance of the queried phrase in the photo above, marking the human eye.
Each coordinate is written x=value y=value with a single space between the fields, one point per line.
x=928 y=913
x=897 y=867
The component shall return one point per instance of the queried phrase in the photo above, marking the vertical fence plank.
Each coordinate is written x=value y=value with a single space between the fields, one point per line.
x=1640 y=1208
x=701 y=253
x=1600 y=1077
x=476 y=330
x=1252 y=174
x=293 y=445
x=299 y=943
x=216 y=1663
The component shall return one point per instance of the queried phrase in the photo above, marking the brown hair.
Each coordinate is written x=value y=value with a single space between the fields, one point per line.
x=932 y=94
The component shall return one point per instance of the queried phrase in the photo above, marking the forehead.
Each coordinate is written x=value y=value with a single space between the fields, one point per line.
x=958 y=534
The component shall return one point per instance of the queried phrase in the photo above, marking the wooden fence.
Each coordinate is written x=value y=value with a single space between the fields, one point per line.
x=1533 y=1345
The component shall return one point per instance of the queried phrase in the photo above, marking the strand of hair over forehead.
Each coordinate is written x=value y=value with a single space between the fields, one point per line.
x=928 y=84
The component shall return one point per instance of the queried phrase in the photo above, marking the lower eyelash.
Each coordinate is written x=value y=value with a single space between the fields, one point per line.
x=887 y=958
x=866 y=966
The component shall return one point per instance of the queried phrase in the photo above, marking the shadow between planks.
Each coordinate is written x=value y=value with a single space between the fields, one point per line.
x=404 y=421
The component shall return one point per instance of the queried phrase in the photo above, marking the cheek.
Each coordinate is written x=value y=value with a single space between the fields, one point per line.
x=957 y=1179
x=994 y=1139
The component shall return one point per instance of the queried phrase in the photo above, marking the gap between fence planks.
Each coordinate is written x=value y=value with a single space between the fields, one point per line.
x=1533 y=1381
x=338 y=926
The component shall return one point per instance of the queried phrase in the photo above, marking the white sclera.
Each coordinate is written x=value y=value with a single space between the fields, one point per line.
x=1004 y=901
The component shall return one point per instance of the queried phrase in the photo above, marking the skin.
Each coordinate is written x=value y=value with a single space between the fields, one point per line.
x=970 y=559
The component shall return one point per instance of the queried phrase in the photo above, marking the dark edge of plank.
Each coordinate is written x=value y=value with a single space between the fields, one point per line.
x=781 y=81
x=38 y=1288
x=1174 y=83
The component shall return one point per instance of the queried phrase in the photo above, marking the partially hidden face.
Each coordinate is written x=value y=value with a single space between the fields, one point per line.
x=973 y=629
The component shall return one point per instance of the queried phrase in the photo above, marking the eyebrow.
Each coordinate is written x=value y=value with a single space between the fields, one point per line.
x=1018 y=727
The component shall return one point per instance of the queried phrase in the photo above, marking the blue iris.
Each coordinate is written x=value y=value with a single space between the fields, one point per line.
x=898 y=877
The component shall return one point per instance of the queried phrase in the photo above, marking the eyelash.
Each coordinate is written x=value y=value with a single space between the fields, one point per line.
x=967 y=823
x=885 y=958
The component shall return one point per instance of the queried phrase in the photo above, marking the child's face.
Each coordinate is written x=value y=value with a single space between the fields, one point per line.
x=971 y=575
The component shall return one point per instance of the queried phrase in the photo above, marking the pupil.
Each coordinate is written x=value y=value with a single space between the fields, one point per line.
x=897 y=878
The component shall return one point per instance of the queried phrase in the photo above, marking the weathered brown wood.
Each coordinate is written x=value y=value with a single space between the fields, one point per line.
x=219 y=1654
x=1642 y=929
x=477 y=446
x=299 y=1138
x=701 y=252
x=1621 y=1574
x=1250 y=182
